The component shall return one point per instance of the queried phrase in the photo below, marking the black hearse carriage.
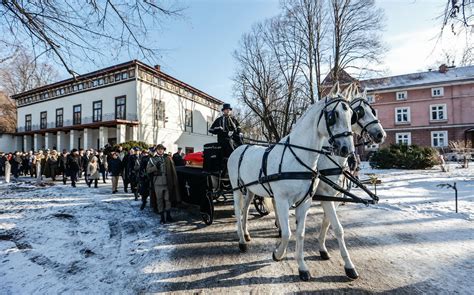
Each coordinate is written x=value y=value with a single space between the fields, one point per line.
x=205 y=186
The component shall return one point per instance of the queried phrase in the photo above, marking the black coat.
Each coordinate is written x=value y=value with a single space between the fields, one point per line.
x=62 y=161
x=228 y=133
x=125 y=166
x=73 y=164
x=115 y=167
x=178 y=160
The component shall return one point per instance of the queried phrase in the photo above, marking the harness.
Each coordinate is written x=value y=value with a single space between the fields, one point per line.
x=359 y=113
x=264 y=179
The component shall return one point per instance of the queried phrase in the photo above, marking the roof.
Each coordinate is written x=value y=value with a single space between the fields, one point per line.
x=453 y=74
x=116 y=67
x=344 y=78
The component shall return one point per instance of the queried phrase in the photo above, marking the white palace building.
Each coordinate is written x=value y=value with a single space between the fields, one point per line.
x=129 y=101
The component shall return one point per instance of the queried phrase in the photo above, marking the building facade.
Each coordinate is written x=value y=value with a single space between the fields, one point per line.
x=427 y=109
x=129 y=101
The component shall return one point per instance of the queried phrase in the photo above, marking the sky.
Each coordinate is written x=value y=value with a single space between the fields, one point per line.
x=197 y=48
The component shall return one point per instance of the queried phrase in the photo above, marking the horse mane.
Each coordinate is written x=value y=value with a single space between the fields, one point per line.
x=314 y=105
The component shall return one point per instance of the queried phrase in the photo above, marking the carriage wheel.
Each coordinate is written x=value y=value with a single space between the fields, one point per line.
x=208 y=217
x=260 y=206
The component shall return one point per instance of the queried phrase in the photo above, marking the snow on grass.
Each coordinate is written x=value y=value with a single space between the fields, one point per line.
x=418 y=191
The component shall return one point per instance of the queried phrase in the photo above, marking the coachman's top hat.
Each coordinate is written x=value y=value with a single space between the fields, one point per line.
x=226 y=106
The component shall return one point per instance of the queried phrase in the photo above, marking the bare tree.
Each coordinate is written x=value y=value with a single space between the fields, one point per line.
x=280 y=61
x=7 y=114
x=310 y=18
x=255 y=81
x=458 y=15
x=72 y=31
x=22 y=72
x=356 y=42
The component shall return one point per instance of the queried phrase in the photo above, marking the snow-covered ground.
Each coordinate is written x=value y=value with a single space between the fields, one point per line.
x=58 y=239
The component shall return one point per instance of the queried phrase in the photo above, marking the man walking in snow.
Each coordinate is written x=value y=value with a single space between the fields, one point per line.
x=164 y=181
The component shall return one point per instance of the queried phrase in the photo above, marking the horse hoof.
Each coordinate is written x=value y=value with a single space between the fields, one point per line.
x=274 y=257
x=305 y=275
x=247 y=238
x=243 y=248
x=324 y=255
x=351 y=273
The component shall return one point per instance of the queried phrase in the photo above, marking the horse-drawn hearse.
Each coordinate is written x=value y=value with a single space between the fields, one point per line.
x=204 y=181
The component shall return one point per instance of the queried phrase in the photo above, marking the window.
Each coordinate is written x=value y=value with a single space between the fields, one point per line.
x=80 y=86
x=59 y=117
x=436 y=92
x=43 y=120
x=160 y=110
x=74 y=88
x=97 y=111
x=438 y=112
x=370 y=99
x=401 y=95
x=120 y=109
x=403 y=138
x=76 y=114
x=28 y=122
x=372 y=147
x=188 y=120
x=117 y=77
x=439 y=138
x=101 y=81
x=124 y=75
x=95 y=82
x=402 y=115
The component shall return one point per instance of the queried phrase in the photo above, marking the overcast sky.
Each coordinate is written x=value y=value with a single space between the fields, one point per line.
x=197 y=48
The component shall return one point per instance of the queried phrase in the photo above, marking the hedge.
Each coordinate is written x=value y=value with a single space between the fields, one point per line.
x=403 y=156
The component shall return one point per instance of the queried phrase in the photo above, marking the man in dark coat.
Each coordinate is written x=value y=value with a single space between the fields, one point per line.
x=125 y=172
x=178 y=158
x=73 y=166
x=133 y=163
x=62 y=161
x=143 y=178
x=115 y=169
x=85 y=158
x=228 y=131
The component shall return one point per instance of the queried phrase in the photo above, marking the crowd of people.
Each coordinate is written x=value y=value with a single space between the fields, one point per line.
x=145 y=172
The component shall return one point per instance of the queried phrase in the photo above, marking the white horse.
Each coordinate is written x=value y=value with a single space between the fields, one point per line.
x=366 y=124
x=326 y=120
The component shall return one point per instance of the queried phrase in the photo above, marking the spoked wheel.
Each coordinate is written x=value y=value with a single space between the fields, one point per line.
x=260 y=206
x=208 y=214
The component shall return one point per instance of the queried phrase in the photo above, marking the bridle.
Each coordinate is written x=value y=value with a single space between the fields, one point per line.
x=359 y=113
x=330 y=117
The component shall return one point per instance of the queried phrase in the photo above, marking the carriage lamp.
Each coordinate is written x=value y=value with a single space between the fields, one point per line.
x=447 y=185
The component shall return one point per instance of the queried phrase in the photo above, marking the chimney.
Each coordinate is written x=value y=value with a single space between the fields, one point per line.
x=443 y=68
x=157 y=67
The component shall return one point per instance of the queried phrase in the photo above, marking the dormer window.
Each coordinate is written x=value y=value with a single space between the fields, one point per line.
x=437 y=92
x=401 y=95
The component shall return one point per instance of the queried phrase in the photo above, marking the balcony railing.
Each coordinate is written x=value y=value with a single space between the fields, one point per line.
x=84 y=120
